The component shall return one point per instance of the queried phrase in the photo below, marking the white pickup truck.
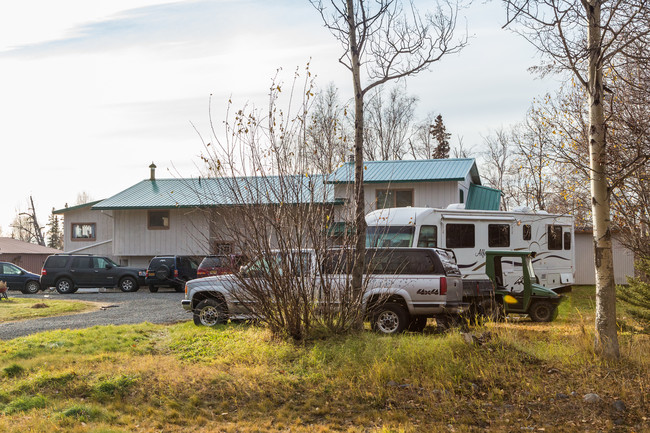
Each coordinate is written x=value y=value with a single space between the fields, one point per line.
x=403 y=287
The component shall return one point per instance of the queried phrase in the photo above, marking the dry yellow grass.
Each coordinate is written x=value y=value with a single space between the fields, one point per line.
x=150 y=378
x=15 y=309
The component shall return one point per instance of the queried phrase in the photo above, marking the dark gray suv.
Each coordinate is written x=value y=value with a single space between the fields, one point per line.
x=170 y=271
x=69 y=272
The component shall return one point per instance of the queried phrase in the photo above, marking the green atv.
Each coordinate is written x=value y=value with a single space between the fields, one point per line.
x=538 y=302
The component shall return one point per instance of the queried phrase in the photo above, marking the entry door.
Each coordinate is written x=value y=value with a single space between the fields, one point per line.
x=105 y=272
x=82 y=271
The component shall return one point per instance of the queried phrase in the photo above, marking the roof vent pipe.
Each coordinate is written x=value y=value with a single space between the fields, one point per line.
x=153 y=171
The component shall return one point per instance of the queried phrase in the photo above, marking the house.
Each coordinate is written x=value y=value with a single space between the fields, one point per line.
x=172 y=216
x=24 y=254
x=433 y=183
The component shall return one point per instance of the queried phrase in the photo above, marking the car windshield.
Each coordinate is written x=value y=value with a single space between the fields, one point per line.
x=389 y=236
x=111 y=262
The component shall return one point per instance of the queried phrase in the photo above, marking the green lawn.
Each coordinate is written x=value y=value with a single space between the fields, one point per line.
x=27 y=308
x=522 y=376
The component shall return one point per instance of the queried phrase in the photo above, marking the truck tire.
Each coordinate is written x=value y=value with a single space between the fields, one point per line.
x=210 y=312
x=128 y=284
x=542 y=311
x=389 y=318
x=65 y=286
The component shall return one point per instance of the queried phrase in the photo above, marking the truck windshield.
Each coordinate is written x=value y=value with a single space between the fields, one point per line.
x=389 y=236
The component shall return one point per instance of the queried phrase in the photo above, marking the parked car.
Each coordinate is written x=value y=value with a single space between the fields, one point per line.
x=405 y=287
x=220 y=264
x=19 y=279
x=69 y=272
x=170 y=271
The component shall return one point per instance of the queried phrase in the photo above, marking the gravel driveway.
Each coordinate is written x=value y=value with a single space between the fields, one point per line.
x=120 y=308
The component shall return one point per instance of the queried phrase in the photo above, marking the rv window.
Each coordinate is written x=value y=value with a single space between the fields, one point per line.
x=428 y=237
x=389 y=236
x=527 y=232
x=554 y=237
x=498 y=235
x=460 y=236
x=567 y=240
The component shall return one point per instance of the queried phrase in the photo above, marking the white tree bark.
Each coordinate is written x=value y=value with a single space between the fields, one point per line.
x=606 y=342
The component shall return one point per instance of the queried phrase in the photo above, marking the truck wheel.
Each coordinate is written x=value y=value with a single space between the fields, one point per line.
x=542 y=311
x=65 y=286
x=417 y=324
x=210 y=312
x=128 y=284
x=390 y=318
x=152 y=288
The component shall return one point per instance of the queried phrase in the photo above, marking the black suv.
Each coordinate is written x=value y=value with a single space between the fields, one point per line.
x=69 y=272
x=170 y=271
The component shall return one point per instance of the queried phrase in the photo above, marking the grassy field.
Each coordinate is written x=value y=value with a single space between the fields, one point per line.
x=518 y=376
x=26 y=308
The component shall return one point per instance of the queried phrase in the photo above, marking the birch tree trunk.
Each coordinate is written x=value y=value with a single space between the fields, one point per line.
x=606 y=341
x=359 y=196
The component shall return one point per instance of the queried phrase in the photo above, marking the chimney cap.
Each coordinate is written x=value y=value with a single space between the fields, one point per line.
x=152 y=165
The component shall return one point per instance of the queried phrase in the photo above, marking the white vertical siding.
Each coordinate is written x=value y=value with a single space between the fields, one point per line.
x=586 y=267
x=425 y=194
x=188 y=234
x=103 y=231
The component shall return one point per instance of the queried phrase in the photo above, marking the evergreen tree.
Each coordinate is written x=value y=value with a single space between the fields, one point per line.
x=55 y=237
x=441 y=136
x=636 y=296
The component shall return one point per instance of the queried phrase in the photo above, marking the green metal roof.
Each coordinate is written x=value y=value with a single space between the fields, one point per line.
x=227 y=191
x=80 y=206
x=425 y=170
x=483 y=198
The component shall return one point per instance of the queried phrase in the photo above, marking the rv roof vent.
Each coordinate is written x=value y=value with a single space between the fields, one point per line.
x=524 y=209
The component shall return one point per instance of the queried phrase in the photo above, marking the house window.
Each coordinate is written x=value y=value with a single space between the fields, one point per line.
x=527 y=232
x=498 y=235
x=83 y=231
x=220 y=247
x=387 y=198
x=158 y=220
x=554 y=237
x=462 y=196
x=460 y=236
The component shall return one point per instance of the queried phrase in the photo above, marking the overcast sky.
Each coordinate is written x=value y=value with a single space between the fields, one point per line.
x=93 y=91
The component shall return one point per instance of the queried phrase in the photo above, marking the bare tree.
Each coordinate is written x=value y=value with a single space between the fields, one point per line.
x=26 y=227
x=583 y=38
x=389 y=124
x=384 y=40
x=497 y=165
x=277 y=214
x=83 y=197
x=327 y=137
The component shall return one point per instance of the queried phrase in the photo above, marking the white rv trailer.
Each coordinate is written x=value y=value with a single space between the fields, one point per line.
x=469 y=233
